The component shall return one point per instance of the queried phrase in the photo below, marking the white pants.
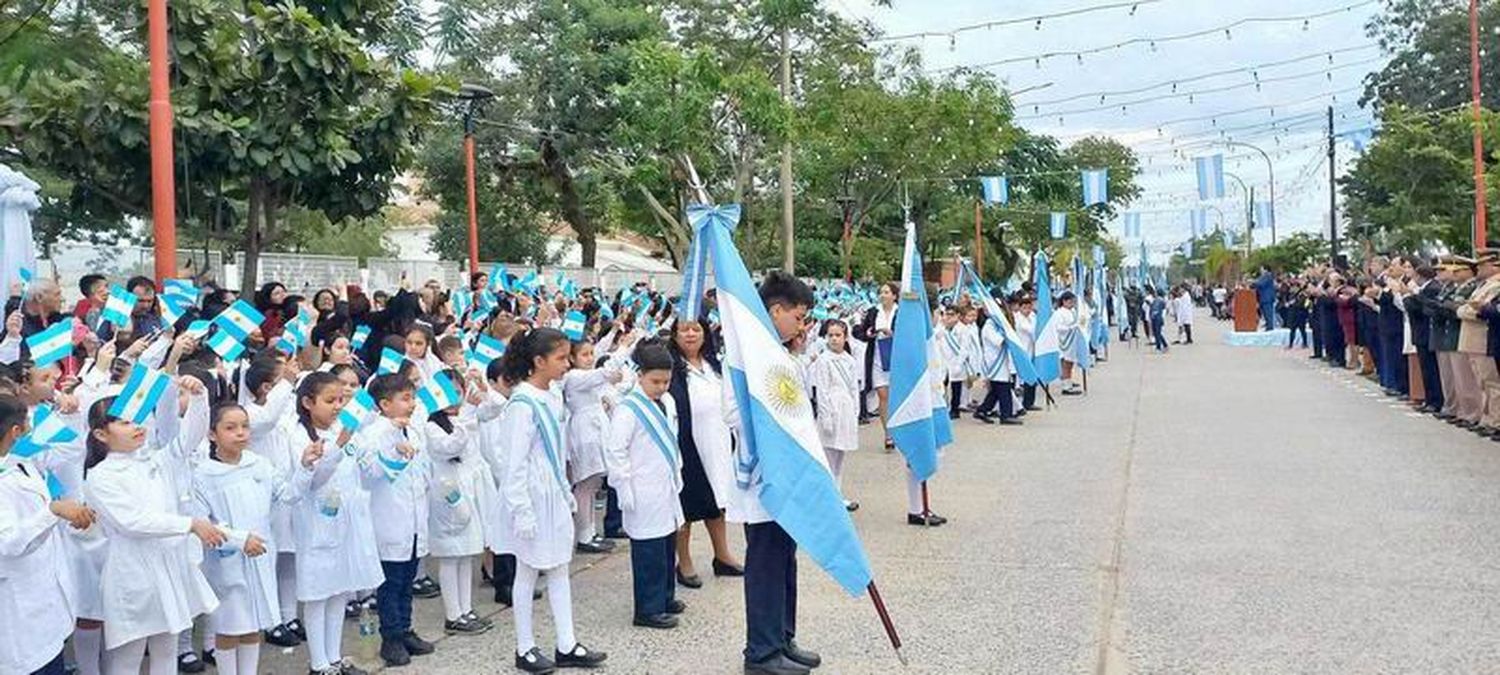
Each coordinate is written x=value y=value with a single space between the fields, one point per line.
x=456 y=578
x=559 y=593
x=126 y=659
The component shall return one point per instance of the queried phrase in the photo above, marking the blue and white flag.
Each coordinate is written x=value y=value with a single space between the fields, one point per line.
x=357 y=411
x=573 y=324
x=357 y=341
x=47 y=427
x=780 y=451
x=143 y=389
x=461 y=300
x=1025 y=368
x=1210 y=177
x=996 y=189
x=1046 y=351
x=1058 y=223
x=918 y=432
x=295 y=334
x=1265 y=214
x=26 y=278
x=198 y=329
x=1187 y=249
x=226 y=345
x=1095 y=186
x=390 y=361
x=499 y=279
x=695 y=270
x=1228 y=239
x=439 y=393
x=51 y=345
x=1198 y=219
x=118 y=307
x=1132 y=225
x=173 y=308
x=1144 y=269
x=240 y=319
x=487 y=349
x=183 y=289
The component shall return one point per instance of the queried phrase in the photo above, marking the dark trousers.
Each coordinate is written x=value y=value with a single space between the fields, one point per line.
x=53 y=667
x=394 y=595
x=1156 y=333
x=1268 y=312
x=1028 y=395
x=1000 y=393
x=504 y=577
x=1317 y=335
x=614 y=522
x=1187 y=331
x=1432 y=380
x=770 y=590
x=652 y=566
x=1293 y=329
x=955 y=397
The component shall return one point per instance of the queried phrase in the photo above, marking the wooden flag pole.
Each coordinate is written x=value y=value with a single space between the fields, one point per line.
x=885 y=620
x=926 y=506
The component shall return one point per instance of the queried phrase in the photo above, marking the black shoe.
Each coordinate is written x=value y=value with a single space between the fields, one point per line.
x=984 y=417
x=479 y=619
x=209 y=658
x=502 y=596
x=676 y=606
x=1034 y=409
x=776 y=664
x=1011 y=421
x=281 y=637
x=416 y=645
x=604 y=542
x=689 y=581
x=347 y=667
x=580 y=657
x=591 y=547
x=722 y=569
x=295 y=626
x=464 y=626
x=534 y=662
x=352 y=608
x=425 y=588
x=929 y=520
x=394 y=653
x=190 y=663
x=660 y=621
x=802 y=656
x=851 y=506
x=1072 y=392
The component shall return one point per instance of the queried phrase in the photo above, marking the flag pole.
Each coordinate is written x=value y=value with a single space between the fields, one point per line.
x=885 y=620
x=926 y=506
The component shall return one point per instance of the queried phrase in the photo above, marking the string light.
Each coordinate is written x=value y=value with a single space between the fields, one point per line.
x=1037 y=18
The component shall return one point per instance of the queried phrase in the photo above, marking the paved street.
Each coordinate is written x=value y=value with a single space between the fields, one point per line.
x=1209 y=511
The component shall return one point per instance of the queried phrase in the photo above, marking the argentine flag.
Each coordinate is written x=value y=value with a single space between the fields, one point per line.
x=1095 y=186
x=1025 y=369
x=390 y=361
x=173 y=308
x=996 y=189
x=1058 y=222
x=1198 y=218
x=1265 y=214
x=917 y=431
x=240 y=319
x=51 y=345
x=118 y=307
x=357 y=411
x=47 y=427
x=361 y=333
x=487 y=349
x=142 y=390
x=1132 y=225
x=226 y=345
x=782 y=451
x=439 y=393
x=1046 y=352
x=182 y=289
x=572 y=325
x=1210 y=177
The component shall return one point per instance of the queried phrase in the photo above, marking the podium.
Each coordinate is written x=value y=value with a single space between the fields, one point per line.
x=1246 y=311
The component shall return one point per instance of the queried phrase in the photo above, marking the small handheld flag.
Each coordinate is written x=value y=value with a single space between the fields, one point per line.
x=198 y=329
x=357 y=410
x=240 y=318
x=439 y=393
x=47 y=427
x=487 y=349
x=118 y=307
x=142 y=390
x=26 y=277
x=173 y=308
x=51 y=345
x=390 y=361
x=226 y=345
x=572 y=325
x=182 y=289
x=361 y=333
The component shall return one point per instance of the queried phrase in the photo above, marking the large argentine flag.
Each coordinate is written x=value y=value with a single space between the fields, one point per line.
x=782 y=449
x=917 y=431
x=1210 y=176
x=1025 y=369
x=1046 y=354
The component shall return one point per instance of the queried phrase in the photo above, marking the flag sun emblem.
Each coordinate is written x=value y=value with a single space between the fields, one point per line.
x=783 y=390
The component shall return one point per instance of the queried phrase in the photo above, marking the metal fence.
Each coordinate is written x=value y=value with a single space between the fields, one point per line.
x=301 y=273
x=610 y=278
x=69 y=263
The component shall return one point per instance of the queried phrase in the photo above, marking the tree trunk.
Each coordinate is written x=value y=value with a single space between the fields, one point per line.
x=254 y=230
x=573 y=212
x=788 y=243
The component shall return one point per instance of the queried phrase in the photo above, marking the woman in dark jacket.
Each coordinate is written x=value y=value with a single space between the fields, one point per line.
x=876 y=330
x=270 y=300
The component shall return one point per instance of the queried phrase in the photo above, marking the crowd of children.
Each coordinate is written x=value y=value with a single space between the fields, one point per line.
x=272 y=467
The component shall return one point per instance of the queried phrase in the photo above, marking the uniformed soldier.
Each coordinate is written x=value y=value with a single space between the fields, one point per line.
x=1473 y=340
x=1461 y=404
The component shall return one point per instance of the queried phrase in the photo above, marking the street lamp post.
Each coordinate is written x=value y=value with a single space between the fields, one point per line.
x=1249 y=212
x=1270 y=176
x=473 y=95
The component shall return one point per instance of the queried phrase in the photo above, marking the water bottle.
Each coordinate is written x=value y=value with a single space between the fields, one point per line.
x=369 y=633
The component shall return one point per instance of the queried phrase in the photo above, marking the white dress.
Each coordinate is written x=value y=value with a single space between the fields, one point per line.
x=492 y=453
x=461 y=490
x=332 y=526
x=36 y=585
x=832 y=380
x=710 y=434
x=533 y=490
x=240 y=498
x=276 y=437
x=583 y=394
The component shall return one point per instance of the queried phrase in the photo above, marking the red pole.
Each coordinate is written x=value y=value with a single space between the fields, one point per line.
x=1480 y=203
x=473 y=203
x=885 y=620
x=163 y=190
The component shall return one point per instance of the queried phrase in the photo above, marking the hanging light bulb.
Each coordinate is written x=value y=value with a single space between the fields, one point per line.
x=1306 y=24
x=952 y=42
x=1192 y=98
x=1153 y=45
x=1101 y=99
x=1174 y=87
x=1038 y=63
x=1227 y=35
x=1038 y=24
x=1080 y=59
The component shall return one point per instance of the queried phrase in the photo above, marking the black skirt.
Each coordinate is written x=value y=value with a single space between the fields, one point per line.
x=697 y=494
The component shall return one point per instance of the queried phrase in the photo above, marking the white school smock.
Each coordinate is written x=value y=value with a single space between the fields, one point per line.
x=744 y=504
x=274 y=436
x=398 y=497
x=83 y=551
x=1025 y=325
x=460 y=488
x=331 y=525
x=241 y=498
x=583 y=394
x=968 y=338
x=832 y=381
x=997 y=363
x=645 y=481
x=36 y=586
x=492 y=452
x=950 y=351
x=529 y=489
x=711 y=437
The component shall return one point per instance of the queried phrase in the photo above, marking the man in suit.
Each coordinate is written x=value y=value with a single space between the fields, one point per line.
x=1392 y=328
x=1423 y=291
x=1265 y=296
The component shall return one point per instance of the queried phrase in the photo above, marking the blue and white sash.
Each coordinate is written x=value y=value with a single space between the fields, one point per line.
x=658 y=429
x=546 y=427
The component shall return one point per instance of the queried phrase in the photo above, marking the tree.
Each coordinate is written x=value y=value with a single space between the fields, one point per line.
x=1428 y=41
x=1290 y=254
x=511 y=228
x=277 y=106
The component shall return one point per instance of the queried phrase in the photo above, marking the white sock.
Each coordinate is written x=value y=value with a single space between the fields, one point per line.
x=449 y=582
x=835 y=465
x=161 y=654
x=227 y=663
x=249 y=658
x=583 y=517
x=466 y=584
x=88 y=650
x=520 y=593
x=317 y=639
x=913 y=493
x=286 y=586
x=560 y=594
x=185 y=641
x=333 y=628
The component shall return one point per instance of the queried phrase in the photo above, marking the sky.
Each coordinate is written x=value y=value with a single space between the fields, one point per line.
x=1331 y=57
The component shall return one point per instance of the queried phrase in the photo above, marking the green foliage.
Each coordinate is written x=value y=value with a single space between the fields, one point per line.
x=1290 y=254
x=510 y=229
x=818 y=258
x=1428 y=41
x=311 y=232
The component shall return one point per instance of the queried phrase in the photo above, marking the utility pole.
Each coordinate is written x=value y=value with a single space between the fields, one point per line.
x=163 y=188
x=1481 y=206
x=788 y=244
x=1333 y=208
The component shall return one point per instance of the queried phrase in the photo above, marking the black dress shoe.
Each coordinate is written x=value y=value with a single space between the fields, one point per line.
x=983 y=417
x=929 y=520
x=606 y=544
x=416 y=645
x=188 y=662
x=689 y=581
x=851 y=506
x=534 y=662
x=776 y=664
x=425 y=588
x=617 y=534
x=1011 y=421
x=347 y=667
x=676 y=606
x=803 y=656
x=591 y=547
x=722 y=569
x=1034 y=409
x=281 y=637
x=295 y=626
x=579 y=657
x=394 y=653
x=659 y=621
